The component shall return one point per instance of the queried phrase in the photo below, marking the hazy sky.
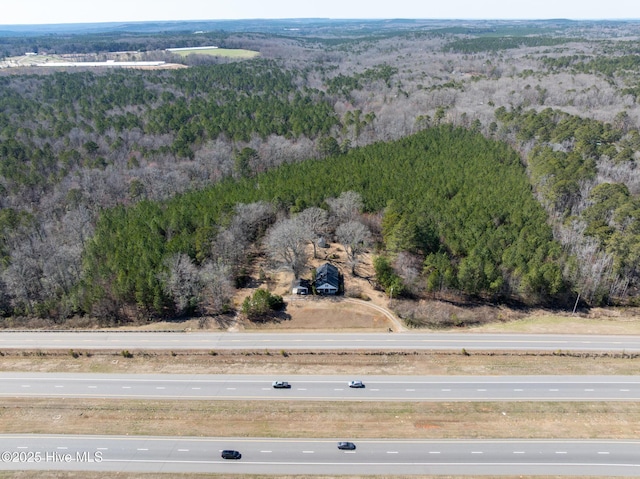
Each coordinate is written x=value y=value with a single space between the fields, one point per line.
x=78 y=11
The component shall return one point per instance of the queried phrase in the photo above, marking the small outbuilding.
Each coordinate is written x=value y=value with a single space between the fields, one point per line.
x=300 y=286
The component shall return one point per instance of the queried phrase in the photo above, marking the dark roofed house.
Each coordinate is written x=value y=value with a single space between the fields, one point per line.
x=327 y=279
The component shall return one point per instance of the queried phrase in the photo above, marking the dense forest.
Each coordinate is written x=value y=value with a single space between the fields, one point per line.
x=492 y=161
x=449 y=196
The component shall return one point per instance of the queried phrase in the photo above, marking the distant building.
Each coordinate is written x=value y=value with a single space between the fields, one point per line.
x=181 y=49
x=327 y=279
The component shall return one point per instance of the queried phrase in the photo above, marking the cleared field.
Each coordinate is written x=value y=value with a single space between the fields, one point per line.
x=218 y=52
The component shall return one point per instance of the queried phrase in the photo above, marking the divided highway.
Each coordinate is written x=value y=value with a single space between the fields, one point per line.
x=110 y=340
x=320 y=456
x=333 y=388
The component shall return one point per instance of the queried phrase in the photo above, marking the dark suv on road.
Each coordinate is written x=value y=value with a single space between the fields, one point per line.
x=230 y=454
x=346 y=446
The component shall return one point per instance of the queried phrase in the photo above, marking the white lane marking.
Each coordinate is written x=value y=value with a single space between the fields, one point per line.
x=477 y=452
x=624 y=390
x=26 y=385
x=102 y=448
x=58 y=386
x=183 y=450
x=338 y=389
x=266 y=452
x=231 y=389
x=22 y=447
x=374 y=389
x=92 y=387
x=302 y=389
x=481 y=390
x=561 y=452
x=519 y=390
x=409 y=390
x=554 y=390
x=62 y=447
x=518 y=452
x=308 y=452
x=142 y=449
x=126 y=387
x=392 y=452
x=589 y=390
x=196 y=388
x=160 y=387
x=434 y=452
x=446 y=390
x=603 y=452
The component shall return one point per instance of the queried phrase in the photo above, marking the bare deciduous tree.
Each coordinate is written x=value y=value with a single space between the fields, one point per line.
x=209 y=288
x=79 y=224
x=181 y=282
x=252 y=220
x=346 y=207
x=217 y=287
x=232 y=243
x=230 y=249
x=408 y=266
x=315 y=222
x=591 y=272
x=23 y=277
x=285 y=243
x=355 y=237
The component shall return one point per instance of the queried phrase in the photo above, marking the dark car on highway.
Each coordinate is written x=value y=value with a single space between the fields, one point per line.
x=348 y=446
x=230 y=454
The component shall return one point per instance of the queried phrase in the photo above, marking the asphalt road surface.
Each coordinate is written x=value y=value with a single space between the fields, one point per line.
x=132 y=341
x=334 y=388
x=320 y=456
x=307 y=456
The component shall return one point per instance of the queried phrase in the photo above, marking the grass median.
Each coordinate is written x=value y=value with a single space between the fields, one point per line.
x=356 y=363
x=349 y=419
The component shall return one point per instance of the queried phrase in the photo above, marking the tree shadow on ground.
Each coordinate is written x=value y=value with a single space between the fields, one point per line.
x=276 y=317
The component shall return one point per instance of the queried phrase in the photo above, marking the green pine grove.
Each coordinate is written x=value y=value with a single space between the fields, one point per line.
x=461 y=201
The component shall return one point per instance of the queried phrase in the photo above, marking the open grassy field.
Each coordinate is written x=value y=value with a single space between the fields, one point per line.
x=219 y=52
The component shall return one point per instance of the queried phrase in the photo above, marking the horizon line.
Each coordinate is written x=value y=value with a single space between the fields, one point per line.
x=487 y=19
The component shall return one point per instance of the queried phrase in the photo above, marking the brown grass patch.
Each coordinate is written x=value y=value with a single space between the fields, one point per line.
x=311 y=314
x=423 y=363
x=290 y=419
